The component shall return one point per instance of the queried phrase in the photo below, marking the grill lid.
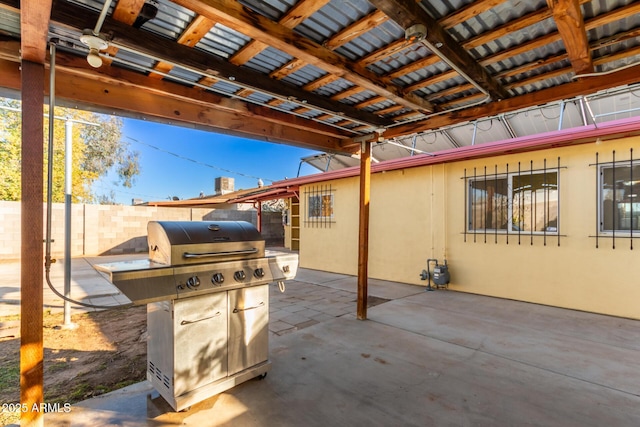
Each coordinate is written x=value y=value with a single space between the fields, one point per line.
x=192 y=242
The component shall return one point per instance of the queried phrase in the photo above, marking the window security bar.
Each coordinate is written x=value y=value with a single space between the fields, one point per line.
x=617 y=199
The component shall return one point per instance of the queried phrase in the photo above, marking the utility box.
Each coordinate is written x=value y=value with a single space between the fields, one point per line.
x=441 y=275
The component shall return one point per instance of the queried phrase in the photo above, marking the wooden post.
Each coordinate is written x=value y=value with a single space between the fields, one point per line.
x=258 y=206
x=363 y=236
x=31 y=270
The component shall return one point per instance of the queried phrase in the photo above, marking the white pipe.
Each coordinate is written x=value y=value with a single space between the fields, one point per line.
x=101 y=18
x=561 y=118
x=586 y=102
x=412 y=149
x=451 y=64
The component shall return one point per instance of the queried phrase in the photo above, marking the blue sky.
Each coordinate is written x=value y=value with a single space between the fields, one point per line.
x=185 y=162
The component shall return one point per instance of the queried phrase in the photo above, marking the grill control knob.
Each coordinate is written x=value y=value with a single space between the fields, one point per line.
x=217 y=279
x=239 y=275
x=193 y=282
x=259 y=273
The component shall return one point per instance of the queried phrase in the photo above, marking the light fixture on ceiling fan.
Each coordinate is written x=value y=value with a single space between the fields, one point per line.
x=97 y=42
x=94 y=40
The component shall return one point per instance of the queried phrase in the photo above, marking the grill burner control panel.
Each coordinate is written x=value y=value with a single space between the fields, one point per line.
x=145 y=281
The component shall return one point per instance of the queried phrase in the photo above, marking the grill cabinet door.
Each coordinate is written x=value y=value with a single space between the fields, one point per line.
x=248 y=327
x=200 y=341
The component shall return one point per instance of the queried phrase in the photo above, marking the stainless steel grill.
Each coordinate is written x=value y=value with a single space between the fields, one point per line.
x=206 y=289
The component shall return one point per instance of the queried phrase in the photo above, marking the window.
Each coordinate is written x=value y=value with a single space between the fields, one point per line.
x=618 y=198
x=520 y=202
x=321 y=206
x=319 y=209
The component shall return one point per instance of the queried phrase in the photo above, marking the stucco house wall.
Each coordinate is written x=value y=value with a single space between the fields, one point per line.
x=420 y=213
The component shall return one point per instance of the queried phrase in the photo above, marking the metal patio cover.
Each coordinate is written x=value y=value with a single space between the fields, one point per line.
x=323 y=74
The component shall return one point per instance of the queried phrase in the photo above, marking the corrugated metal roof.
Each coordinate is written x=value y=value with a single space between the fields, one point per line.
x=170 y=21
x=10 y=22
x=223 y=42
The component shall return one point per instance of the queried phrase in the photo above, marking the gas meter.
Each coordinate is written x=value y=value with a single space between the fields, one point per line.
x=440 y=274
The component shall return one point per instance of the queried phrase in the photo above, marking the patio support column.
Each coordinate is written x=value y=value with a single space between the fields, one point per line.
x=31 y=282
x=258 y=206
x=363 y=235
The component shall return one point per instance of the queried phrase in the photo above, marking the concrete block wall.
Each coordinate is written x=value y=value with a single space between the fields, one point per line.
x=116 y=229
x=272 y=228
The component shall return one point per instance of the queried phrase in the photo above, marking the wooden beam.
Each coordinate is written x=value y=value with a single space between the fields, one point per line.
x=432 y=80
x=371 y=101
x=406 y=13
x=187 y=113
x=74 y=17
x=508 y=28
x=34 y=29
x=355 y=30
x=414 y=66
x=195 y=31
x=389 y=110
x=385 y=52
x=31 y=271
x=291 y=19
x=347 y=93
x=256 y=26
x=467 y=12
x=300 y=11
x=363 y=232
x=570 y=23
x=319 y=82
x=287 y=69
x=72 y=66
x=169 y=104
x=127 y=11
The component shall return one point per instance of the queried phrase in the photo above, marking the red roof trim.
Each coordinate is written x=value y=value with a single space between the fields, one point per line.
x=585 y=134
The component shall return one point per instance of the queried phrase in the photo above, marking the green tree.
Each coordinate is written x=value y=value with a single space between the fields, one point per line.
x=97 y=148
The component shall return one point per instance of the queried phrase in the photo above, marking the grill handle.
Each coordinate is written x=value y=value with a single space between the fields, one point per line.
x=218 y=254
x=238 y=310
x=189 y=322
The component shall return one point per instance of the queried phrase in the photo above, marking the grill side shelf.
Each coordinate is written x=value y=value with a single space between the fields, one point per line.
x=142 y=281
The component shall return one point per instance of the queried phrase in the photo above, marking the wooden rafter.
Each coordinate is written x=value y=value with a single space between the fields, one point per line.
x=233 y=15
x=385 y=52
x=346 y=35
x=471 y=10
x=195 y=31
x=298 y=13
x=508 y=28
x=414 y=66
x=145 y=42
x=127 y=11
x=374 y=92
x=407 y=13
x=568 y=18
x=355 y=30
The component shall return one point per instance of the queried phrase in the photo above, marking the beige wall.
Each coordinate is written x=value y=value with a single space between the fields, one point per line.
x=418 y=213
x=115 y=229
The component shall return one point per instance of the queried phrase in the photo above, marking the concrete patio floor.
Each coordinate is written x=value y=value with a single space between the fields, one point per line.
x=438 y=358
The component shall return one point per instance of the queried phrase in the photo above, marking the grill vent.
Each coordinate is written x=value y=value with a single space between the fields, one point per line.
x=157 y=373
